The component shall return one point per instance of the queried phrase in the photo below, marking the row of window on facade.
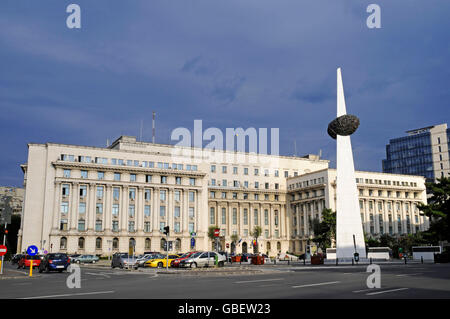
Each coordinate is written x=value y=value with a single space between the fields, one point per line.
x=311 y=182
x=131 y=210
x=131 y=226
x=381 y=193
x=84 y=174
x=245 y=196
x=384 y=182
x=122 y=162
x=311 y=194
x=245 y=216
x=389 y=206
x=372 y=224
x=256 y=171
x=114 y=243
x=237 y=184
x=65 y=192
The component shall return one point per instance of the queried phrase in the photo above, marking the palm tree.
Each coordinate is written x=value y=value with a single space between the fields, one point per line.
x=257 y=231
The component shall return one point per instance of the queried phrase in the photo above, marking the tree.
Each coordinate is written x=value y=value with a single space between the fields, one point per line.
x=438 y=210
x=325 y=231
x=257 y=231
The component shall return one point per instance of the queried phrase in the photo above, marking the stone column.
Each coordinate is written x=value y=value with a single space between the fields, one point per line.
x=107 y=219
x=73 y=205
x=140 y=210
x=56 y=210
x=155 y=210
x=123 y=213
x=91 y=207
x=184 y=211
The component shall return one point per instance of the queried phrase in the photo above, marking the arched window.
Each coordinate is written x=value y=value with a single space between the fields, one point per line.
x=278 y=246
x=178 y=244
x=268 y=246
x=63 y=243
x=115 y=243
x=81 y=243
x=163 y=244
x=147 y=243
x=98 y=243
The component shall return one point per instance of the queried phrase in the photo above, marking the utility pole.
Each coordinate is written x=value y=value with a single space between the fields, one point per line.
x=166 y=232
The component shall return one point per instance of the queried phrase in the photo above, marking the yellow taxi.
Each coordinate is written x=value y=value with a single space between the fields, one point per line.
x=160 y=262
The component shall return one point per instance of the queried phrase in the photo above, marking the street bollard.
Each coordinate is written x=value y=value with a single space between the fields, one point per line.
x=304 y=261
x=31 y=268
x=336 y=261
x=274 y=261
x=405 y=260
x=370 y=260
x=353 y=262
x=289 y=260
x=421 y=259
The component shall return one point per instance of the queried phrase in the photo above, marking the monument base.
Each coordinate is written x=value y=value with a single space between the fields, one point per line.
x=346 y=261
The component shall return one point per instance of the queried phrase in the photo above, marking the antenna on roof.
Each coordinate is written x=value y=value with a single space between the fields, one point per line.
x=140 y=136
x=153 y=130
x=295 y=147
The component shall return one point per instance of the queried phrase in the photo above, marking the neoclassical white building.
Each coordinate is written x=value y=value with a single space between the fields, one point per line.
x=81 y=199
x=388 y=203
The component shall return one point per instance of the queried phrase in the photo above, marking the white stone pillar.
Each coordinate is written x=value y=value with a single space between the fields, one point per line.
x=107 y=218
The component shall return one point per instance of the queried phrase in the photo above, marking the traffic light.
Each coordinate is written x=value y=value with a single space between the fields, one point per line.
x=166 y=230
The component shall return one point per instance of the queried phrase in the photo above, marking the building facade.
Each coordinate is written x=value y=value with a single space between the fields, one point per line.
x=82 y=199
x=422 y=152
x=17 y=195
x=388 y=203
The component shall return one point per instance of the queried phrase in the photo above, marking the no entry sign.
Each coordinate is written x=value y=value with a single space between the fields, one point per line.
x=3 y=250
x=216 y=232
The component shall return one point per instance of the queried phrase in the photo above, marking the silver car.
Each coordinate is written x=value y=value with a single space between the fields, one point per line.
x=203 y=259
x=122 y=260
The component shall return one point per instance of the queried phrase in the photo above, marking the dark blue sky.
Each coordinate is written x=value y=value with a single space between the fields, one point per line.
x=234 y=63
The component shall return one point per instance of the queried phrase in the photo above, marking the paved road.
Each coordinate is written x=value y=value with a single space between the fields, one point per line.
x=276 y=282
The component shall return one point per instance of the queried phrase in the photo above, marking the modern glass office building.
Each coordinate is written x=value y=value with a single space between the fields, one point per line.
x=423 y=151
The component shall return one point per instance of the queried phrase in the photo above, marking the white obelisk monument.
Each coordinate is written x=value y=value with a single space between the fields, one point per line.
x=349 y=231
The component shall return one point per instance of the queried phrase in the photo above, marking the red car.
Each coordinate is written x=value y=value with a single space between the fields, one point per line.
x=25 y=261
x=176 y=262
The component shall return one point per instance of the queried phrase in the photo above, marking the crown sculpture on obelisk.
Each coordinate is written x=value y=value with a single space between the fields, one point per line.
x=349 y=232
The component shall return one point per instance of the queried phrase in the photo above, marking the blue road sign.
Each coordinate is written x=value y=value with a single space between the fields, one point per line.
x=32 y=250
x=192 y=242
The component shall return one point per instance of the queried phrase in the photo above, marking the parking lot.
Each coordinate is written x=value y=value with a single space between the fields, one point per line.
x=238 y=281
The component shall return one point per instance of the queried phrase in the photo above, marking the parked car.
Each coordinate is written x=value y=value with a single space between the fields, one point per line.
x=122 y=260
x=26 y=260
x=176 y=262
x=141 y=261
x=203 y=259
x=83 y=259
x=54 y=261
x=161 y=262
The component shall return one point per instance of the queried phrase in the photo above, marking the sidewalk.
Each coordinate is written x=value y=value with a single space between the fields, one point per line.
x=9 y=273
